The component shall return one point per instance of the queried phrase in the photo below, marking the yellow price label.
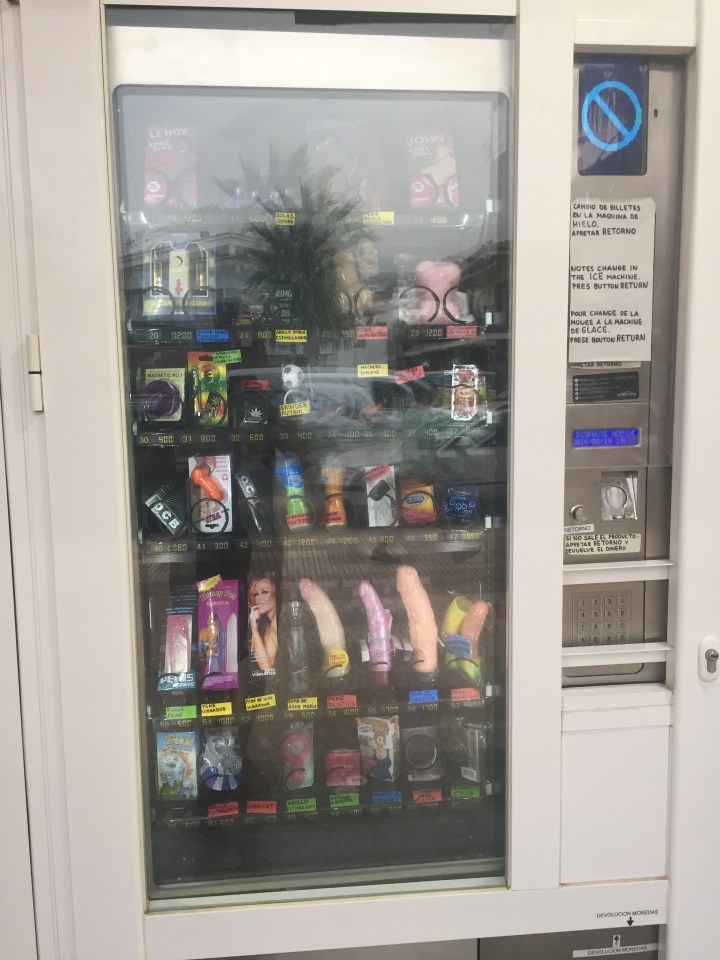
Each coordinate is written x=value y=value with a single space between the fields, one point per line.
x=303 y=703
x=372 y=370
x=294 y=409
x=260 y=703
x=379 y=218
x=215 y=709
x=339 y=658
x=291 y=336
x=284 y=219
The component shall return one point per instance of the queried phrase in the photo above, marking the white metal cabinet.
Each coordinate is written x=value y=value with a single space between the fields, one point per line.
x=75 y=278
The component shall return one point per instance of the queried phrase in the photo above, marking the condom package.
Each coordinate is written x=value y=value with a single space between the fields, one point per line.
x=218 y=633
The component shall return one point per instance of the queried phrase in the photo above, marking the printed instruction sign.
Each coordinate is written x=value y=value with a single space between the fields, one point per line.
x=612 y=252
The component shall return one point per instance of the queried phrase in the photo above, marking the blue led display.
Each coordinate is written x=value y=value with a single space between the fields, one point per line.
x=629 y=437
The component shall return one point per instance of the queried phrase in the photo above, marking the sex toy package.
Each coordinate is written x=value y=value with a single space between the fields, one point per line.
x=218 y=633
x=175 y=668
x=177 y=765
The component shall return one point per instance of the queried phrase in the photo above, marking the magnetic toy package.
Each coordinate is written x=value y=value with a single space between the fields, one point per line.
x=176 y=765
x=218 y=633
x=379 y=740
x=210 y=494
x=162 y=391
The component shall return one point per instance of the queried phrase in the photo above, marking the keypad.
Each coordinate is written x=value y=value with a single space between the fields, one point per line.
x=601 y=618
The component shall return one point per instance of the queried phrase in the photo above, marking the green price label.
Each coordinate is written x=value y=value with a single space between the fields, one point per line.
x=302 y=805
x=465 y=793
x=227 y=356
x=180 y=713
x=345 y=800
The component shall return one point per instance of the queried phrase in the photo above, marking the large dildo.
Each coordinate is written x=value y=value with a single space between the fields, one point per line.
x=421 y=620
x=380 y=645
x=336 y=662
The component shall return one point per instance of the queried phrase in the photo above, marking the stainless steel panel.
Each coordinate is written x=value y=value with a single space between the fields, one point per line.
x=448 y=950
x=568 y=946
x=652 y=411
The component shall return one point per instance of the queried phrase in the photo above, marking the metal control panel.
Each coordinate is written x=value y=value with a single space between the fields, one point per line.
x=620 y=412
x=620 y=379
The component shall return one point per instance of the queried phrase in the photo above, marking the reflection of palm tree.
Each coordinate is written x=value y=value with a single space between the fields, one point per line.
x=303 y=255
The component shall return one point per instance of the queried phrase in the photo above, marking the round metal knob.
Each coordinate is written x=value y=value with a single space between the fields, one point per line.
x=578 y=513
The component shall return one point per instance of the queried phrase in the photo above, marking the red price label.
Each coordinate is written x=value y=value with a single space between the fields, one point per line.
x=413 y=373
x=298 y=520
x=262 y=806
x=465 y=693
x=224 y=809
x=342 y=701
x=371 y=333
x=457 y=333
x=427 y=796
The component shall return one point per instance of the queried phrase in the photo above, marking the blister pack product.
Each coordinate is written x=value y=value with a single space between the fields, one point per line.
x=298 y=760
x=381 y=492
x=171 y=166
x=176 y=765
x=221 y=764
x=379 y=741
x=433 y=170
x=209 y=390
x=218 y=633
x=177 y=673
x=162 y=391
x=342 y=767
x=352 y=150
x=210 y=494
x=421 y=750
x=262 y=625
x=179 y=283
x=468 y=397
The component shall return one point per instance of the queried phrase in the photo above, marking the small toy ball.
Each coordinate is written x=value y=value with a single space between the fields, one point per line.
x=292 y=375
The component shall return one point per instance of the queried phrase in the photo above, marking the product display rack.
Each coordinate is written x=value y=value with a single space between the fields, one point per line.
x=359 y=374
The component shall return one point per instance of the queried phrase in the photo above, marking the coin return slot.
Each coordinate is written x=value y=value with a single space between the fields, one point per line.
x=618 y=496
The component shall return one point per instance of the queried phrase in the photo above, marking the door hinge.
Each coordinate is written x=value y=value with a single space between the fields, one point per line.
x=32 y=345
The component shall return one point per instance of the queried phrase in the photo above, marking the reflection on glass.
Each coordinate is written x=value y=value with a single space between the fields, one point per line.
x=315 y=289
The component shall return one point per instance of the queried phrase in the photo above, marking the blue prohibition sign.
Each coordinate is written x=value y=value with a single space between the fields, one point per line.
x=626 y=135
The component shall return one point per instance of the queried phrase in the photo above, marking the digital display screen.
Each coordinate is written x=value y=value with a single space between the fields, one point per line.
x=629 y=437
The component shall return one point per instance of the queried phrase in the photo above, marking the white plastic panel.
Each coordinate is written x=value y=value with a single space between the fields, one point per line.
x=615 y=759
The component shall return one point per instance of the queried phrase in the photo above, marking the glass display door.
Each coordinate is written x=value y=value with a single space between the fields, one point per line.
x=315 y=325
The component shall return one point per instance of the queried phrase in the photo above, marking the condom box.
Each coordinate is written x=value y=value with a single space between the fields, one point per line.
x=218 y=633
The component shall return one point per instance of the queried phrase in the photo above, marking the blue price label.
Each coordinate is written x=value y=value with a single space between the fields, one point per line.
x=212 y=336
x=423 y=696
x=386 y=796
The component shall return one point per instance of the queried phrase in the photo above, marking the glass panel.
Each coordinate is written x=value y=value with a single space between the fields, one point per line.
x=315 y=290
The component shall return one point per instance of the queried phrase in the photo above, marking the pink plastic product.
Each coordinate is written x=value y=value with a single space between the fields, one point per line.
x=343 y=768
x=440 y=276
x=380 y=644
x=218 y=633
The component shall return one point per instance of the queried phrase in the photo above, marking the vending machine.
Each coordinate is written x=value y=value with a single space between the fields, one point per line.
x=366 y=365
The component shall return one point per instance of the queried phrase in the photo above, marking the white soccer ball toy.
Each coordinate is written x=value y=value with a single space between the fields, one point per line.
x=292 y=375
